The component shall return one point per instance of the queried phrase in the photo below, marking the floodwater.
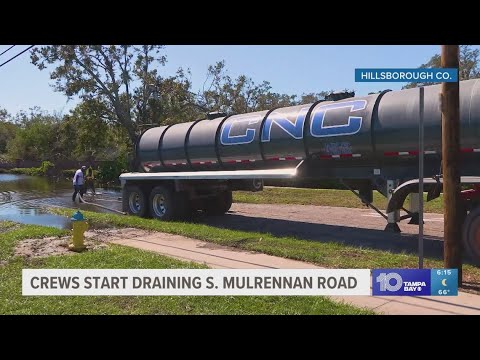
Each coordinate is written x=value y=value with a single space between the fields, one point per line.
x=25 y=199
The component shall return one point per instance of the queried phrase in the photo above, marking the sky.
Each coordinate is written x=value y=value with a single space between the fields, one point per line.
x=291 y=69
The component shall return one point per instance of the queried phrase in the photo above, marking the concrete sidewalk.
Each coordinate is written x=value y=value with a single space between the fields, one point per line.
x=221 y=257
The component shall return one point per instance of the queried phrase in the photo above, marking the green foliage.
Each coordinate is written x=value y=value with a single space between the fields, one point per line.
x=240 y=95
x=109 y=171
x=80 y=136
x=36 y=136
x=469 y=66
x=8 y=130
x=69 y=173
x=6 y=225
x=4 y=159
x=93 y=138
x=24 y=171
x=120 y=81
x=312 y=97
x=45 y=169
x=305 y=183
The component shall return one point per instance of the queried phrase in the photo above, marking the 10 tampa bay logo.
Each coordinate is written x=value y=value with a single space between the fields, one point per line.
x=410 y=282
x=385 y=283
x=414 y=282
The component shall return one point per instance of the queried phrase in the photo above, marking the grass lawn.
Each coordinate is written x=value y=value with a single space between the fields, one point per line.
x=5 y=225
x=325 y=197
x=121 y=257
x=331 y=255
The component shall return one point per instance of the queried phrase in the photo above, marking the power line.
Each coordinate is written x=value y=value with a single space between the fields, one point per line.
x=20 y=53
x=7 y=49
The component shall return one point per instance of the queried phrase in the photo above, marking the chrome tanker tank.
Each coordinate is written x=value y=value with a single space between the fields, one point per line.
x=371 y=131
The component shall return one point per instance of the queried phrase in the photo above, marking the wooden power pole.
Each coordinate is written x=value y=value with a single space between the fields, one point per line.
x=453 y=209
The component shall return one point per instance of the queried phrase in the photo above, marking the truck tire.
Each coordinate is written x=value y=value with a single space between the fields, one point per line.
x=168 y=205
x=134 y=201
x=162 y=204
x=219 y=204
x=471 y=235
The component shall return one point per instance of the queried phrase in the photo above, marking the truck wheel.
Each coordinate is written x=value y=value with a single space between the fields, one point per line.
x=162 y=205
x=219 y=204
x=134 y=201
x=471 y=235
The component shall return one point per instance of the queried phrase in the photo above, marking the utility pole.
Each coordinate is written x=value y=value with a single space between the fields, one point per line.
x=453 y=212
x=421 y=148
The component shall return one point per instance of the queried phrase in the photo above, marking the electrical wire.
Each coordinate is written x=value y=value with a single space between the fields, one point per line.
x=11 y=47
x=20 y=53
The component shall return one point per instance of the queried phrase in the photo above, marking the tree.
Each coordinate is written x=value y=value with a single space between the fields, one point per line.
x=80 y=135
x=241 y=95
x=84 y=136
x=36 y=136
x=121 y=81
x=468 y=65
x=312 y=97
x=3 y=115
x=7 y=130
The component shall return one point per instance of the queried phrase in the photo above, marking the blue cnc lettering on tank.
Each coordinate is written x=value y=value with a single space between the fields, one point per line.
x=248 y=135
x=295 y=130
x=353 y=125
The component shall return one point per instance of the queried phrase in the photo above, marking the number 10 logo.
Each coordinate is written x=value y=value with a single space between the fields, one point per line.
x=385 y=284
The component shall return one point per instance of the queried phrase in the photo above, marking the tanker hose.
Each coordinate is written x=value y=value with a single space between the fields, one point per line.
x=101 y=206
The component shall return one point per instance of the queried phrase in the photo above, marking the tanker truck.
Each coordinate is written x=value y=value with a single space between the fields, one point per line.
x=367 y=143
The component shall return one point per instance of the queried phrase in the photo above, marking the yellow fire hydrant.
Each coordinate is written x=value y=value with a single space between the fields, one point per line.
x=80 y=225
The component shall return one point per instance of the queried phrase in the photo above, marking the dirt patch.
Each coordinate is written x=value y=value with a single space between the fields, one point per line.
x=42 y=247
x=107 y=235
x=50 y=246
x=94 y=240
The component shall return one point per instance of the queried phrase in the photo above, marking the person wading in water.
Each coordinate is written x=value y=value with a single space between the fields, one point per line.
x=78 y=183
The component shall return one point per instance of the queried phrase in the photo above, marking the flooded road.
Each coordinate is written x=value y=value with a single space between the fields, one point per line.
x=25 y=199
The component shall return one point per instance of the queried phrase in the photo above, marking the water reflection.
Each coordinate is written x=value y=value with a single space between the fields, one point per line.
x=24 y=199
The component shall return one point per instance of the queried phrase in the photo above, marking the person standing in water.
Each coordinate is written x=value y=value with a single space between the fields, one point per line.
x=78 y=183
x=90 y=180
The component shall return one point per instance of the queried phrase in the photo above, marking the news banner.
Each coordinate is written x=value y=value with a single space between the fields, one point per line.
x=226 y=282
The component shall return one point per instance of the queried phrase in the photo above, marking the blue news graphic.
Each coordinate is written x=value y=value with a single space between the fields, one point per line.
x=415 y=282
x=444 y=282
x=407 y=75
x=406 y=282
